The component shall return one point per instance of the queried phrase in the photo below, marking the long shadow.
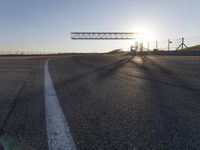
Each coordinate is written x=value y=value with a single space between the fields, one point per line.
x=178 y=81
x=108 y=70
x=167 y=115
x=172 y=132
x=111 y=68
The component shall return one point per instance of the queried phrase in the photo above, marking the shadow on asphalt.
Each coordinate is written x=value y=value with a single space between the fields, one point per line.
x=108 y=70
x=172 y=130
x=163 y=120
x=176 y=79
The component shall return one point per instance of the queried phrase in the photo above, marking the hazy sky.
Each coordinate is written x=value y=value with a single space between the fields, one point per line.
x=46 y=24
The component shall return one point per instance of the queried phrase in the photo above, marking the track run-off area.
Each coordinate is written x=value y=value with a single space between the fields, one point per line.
x=99 y=101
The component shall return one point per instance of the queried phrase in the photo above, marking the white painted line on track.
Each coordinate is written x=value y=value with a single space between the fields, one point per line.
x=58 y=133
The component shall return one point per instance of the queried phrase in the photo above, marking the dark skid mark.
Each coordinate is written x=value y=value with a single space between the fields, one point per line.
x=12 y=107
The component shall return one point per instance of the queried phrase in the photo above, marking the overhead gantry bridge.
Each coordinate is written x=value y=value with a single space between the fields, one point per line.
x=104 y=35
x=110 y=36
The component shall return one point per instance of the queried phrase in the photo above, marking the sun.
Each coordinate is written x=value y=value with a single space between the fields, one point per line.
x=145 y=34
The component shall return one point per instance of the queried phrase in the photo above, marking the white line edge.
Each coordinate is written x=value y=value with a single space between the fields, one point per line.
x=58 y=133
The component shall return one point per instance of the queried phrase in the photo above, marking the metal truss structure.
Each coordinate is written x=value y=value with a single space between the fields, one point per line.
x=104 y=35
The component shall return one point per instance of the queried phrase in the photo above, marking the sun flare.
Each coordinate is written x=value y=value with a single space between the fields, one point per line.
x=145 y=34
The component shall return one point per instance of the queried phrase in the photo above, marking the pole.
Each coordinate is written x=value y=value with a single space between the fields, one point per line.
x=141 y=48
x=182 y=43
x=156 y=44
x=169 y=44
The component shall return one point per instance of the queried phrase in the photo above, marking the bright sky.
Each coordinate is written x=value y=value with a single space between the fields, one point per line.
x=45 y=25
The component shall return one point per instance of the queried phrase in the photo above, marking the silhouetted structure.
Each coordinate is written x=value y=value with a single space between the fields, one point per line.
x=104 y=35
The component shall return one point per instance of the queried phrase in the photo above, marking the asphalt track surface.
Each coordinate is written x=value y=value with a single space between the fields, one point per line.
x=109 y=102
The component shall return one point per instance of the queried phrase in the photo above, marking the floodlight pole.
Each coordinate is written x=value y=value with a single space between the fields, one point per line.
x=183 y=45
x=169 y=42
x=148 y=46
x=156 y=44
